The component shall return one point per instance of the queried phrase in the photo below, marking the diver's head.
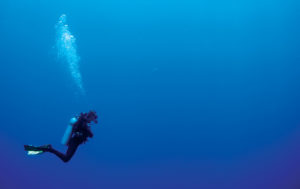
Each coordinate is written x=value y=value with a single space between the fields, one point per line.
x=92 y=116
x=89 y=117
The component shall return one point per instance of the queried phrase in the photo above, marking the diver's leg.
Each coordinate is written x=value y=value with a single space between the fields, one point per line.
x=69 y=154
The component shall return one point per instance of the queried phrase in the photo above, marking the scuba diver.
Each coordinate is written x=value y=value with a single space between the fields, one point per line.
x=77 y=132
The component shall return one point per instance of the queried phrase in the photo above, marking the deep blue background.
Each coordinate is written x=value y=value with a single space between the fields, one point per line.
x=190 y=94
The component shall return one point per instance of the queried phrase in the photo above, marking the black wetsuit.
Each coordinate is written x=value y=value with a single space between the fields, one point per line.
x=79 y=136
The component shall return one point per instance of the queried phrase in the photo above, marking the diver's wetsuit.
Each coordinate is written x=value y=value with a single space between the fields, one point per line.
x=78 y=137
x=72 y=147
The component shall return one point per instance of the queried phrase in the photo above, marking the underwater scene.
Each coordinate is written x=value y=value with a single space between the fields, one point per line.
x=150 y=94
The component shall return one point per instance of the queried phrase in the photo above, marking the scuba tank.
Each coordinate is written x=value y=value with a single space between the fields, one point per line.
x=68 y=132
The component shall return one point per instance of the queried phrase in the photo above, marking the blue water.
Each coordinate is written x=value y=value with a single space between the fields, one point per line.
x=190 y=94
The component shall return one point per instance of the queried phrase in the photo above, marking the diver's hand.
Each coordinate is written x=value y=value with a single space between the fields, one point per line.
x=88 y=128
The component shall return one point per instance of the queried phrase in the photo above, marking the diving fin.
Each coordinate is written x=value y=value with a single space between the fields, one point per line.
x=35 y=150
x=30 y=153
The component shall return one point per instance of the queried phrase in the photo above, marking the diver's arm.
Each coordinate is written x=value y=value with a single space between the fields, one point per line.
x=90 y=134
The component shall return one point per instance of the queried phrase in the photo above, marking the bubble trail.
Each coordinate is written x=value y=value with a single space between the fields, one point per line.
x=66 y=51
